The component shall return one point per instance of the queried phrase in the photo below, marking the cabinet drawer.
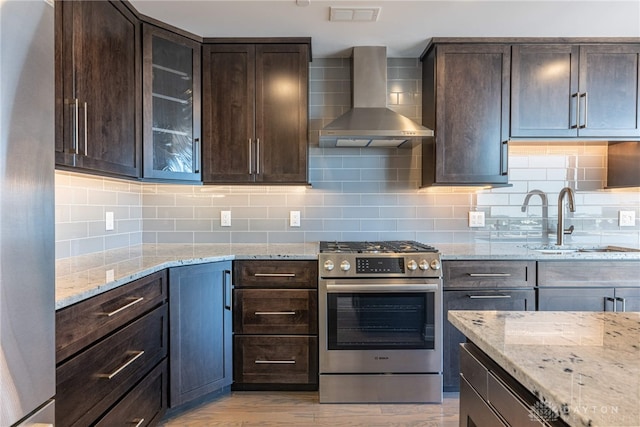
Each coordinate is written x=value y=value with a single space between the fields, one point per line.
x=607 y=274
x=268 y=311
x=88 y=384
x=473 y=370
x=489 y=274
x=275 y=359
x=275 y=274
x=144 y=405
x=81 y=324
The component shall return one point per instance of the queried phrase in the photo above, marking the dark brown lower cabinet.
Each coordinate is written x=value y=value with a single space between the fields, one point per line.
x=200 y=331
x=90 y=383
x=275 y=359
x=144 y=405
x=476 y=299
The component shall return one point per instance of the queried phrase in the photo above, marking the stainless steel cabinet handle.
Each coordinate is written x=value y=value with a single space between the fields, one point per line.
x=489 y=296
x=257 y=156
x=624 y=303
x=76 y=126
x=138 y=423
x=586 y=106
x=196 y=155
x=489 y=274
x=228 y=292
x=86 y=143
x=273 y=313
x=124 y=307
x=250 y=162
x=275 y=362
x=274 y=275
x=137 y=354
x=577 y=97
x=504 y=160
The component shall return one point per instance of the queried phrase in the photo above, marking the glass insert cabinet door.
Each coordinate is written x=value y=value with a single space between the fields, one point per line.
x=171 y=103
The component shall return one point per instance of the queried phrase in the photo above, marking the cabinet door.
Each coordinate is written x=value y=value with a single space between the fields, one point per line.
x=575 y=299
x=544 y=87
x=628 y=299
x=472 y=115
x=200 y=330
x=171 y=96
x=228 y=113
x=609 y=82
x=495 y=299
x=282 y=113
x=99 y=79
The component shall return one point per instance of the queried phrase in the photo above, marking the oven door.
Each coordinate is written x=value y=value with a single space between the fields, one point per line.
x=380 y=326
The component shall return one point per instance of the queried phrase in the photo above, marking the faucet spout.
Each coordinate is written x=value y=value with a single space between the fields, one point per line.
x=566 y=191
x=545 y=211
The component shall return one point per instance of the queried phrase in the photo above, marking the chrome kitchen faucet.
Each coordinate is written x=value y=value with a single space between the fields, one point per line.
x=572 y=207
x=545 y=212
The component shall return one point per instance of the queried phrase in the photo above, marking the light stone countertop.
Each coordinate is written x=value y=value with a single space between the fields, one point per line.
x=81 y=277
x=585 y=365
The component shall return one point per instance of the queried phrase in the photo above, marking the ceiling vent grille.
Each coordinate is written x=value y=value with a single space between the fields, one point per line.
x=354 y=14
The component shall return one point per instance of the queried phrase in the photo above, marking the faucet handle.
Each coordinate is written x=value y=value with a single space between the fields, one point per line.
x=569 y=230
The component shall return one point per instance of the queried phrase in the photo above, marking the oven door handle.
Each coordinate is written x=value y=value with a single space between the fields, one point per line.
x=419 y=287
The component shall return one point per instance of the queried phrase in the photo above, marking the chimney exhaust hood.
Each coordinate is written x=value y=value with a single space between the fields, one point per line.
x=370 y=123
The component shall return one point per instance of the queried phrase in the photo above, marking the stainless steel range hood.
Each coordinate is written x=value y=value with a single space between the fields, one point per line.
x=370 y=123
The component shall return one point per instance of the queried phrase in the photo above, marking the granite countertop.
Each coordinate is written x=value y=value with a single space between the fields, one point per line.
x=584 y=365
x=82 y=277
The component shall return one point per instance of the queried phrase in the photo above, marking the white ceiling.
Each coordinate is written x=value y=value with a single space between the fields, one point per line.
x=403 y=26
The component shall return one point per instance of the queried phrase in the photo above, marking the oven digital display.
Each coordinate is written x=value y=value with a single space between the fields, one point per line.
x=379 y=265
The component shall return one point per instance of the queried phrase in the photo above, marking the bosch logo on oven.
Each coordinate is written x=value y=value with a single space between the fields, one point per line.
x=381 y=358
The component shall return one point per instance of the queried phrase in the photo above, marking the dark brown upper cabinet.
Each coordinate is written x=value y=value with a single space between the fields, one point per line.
x=171 y=105
x=98 y=88
x=466 y=103
x=575 y=90
x=255 y=112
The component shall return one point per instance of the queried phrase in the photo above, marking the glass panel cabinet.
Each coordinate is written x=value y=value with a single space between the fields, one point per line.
x=171 y=101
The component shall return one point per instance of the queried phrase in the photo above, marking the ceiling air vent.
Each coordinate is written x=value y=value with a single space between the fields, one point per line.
x=354 y=14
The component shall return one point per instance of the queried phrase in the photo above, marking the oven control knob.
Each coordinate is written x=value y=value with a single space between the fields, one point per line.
x=424 y=265
x=412 y=265
x=345 y=266
x=435 y=264
x=328 y=265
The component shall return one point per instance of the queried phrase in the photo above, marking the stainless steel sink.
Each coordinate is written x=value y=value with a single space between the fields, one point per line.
x=557 y=249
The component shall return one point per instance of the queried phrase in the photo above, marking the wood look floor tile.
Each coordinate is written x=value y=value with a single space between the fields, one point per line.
x=299 y=409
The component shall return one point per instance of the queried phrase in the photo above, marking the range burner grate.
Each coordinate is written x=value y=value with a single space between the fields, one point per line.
x=391 y=246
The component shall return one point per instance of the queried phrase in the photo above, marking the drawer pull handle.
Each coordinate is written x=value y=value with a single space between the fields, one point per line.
x=136 y=354
x=124 y=307
x=489 y=296
x=490 y=274
x=275 y=362
x=270 y=313
x=275 y=275
x=138 y=423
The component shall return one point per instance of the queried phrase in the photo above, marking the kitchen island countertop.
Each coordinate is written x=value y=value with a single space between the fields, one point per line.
x=584 y=365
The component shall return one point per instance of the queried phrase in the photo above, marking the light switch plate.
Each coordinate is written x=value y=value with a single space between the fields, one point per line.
x=225 y=218
x=626 y=218
x=109 y=221
x=476 y=219
x=294 y=218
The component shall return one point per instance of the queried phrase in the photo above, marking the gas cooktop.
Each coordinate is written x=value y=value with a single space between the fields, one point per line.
x=389 y=246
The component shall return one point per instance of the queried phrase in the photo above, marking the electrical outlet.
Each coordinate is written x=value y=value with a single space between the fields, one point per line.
x=294 y=218
x=626 y=218
x=225 y=218
x=476 y=219
x=109 y=221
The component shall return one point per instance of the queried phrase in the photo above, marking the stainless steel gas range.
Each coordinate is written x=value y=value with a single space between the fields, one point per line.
x=380 y=330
